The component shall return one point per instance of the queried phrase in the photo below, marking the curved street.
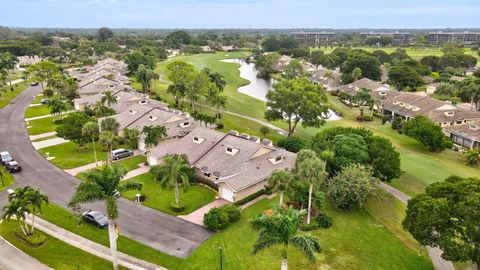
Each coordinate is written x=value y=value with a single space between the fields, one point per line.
x=163 y=232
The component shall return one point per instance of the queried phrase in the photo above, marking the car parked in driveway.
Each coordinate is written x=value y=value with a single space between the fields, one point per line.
x=121 y=153
x=95 y=218
x=5 y=157
x=45 y=101
x=33 y=83
x=13 y=166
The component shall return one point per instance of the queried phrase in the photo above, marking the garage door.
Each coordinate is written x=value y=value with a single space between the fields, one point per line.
x=152 y=161
x=227 y=193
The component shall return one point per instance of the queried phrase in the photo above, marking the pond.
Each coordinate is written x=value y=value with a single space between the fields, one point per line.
x=258 y=87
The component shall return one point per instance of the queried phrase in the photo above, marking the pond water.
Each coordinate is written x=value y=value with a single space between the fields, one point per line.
x=258 y=87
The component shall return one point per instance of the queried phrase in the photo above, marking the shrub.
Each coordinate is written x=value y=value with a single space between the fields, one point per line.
x=58 y=121
x=216 y=219
x=220 y=126
x=448 y=143
x=250 y=197
x=364 y=118
x=309 y=227
x=293 y=144
x=177 y=207
x=233 y=212
x=397 y=123
x=323 y=221
x=35 y=240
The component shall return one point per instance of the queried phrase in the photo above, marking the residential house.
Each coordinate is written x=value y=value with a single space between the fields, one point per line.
x=467 y=135
x=27 y=60
x=207 y=49
x=100 y=84
x=363 y=83
x=331 y=79
x=238 y=164
x=229 y=48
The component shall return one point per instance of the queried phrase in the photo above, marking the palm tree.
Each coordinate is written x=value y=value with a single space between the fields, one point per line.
x=173 y=169
x=102 y=185
x=280 y=227
x=144 y=76
x=153 y=134
x=281 y=180
x=218 y=80
x=473 y=157
x=177 y=90
x=7 y=62
x=363 y=97
x=25 y=76
x=130 y=136
x=218 y=101
x=35 y=200
x=18 y=210
x=110 y=124
x=356 y=74
x=92 y=131
x=310 y=169
x=108 y=139
x=108 y=98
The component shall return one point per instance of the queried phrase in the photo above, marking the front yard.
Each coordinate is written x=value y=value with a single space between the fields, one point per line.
x=160 y=199
x=43 y=125
x=7 y=96
x=35 y=111
x=7 y=179
x=129 y=164
x=68 y=157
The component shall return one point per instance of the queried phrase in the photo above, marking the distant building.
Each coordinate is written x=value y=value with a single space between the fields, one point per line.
x=314 y=39
x=465 y=38
x=398 y=38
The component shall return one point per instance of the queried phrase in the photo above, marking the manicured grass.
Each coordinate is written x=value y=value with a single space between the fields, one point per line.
x=37 y=111
x=7 y=95
x=42 y=125
x=160 y=199
x=45 y=138
x=67 y=156
x=7 y=179
x=129 y=164
x=54 y=253
x=355 y=241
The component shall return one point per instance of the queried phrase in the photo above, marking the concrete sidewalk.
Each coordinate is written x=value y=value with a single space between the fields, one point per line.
x=142 y=168
x=48 y=143
x=45 y=116
x=92 y=247
x=13 y=258
x=43 y=135
x=90 y=166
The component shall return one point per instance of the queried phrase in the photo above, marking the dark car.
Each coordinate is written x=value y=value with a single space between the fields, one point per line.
x=34 y=83
x=121 y=153
x=45 y=101
x=13 y=166
x=96 y=218
x=5 y=157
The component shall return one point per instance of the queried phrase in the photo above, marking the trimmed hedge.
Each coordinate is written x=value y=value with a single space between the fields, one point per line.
x=205 y=182
x=250 y=197
x=35 y=240
x=219 y=218
x=177 y=207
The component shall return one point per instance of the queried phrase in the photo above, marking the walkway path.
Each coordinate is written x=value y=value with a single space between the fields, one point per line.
x=435 y=253
x=43 y=116
x=142 y=168
x=43 y=135
x=12 y=258
x=92 y=165
x=277 y=129
x=48 y=143
x=91 y=247
x=197 y=215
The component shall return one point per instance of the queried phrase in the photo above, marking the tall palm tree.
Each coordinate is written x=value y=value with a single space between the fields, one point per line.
x=218 y=79
x=110 y=124
x=7 y=62
x=108 y=98
x=35 y=199
x=102 y=185
x=218 y=101
x=311 y=169
x=177 y=90
x=154 y=134
x=108 y=139
x=281 y=180
x=18 y=210
x=280 y=227
x=363 y=97
x=92 y=131
x=356 y=74
x=173 y=170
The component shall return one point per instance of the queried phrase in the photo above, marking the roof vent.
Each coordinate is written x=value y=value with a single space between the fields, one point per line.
x=233 y=132
x=152 y=118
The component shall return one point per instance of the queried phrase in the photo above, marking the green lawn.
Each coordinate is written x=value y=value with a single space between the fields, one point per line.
x=160 y=199
x=55 y=253
x=7 y=95
x=37 y=111
x=42 y=125
x=356 y=241
x=45 y=138
x=129 y=164
x=67 y=156
x=7 y=179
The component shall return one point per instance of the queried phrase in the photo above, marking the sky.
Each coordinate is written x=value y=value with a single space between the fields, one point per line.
x=241 y=13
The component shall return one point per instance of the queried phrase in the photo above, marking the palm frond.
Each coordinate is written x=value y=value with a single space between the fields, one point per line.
x=264 y=241
x=130 y=186
x=87 y=192
x=306 y=244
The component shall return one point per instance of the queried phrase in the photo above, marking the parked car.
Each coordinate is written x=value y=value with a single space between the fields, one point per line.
x=45 y=101
x=5 y=157
x=34 y=83
x=121 y=153
x=13 y=166
x=116 y=194
x=96 y=218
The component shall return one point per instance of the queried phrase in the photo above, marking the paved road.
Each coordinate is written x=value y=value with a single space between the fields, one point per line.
x=163 y=232
x=435 y=254
x=14 y=259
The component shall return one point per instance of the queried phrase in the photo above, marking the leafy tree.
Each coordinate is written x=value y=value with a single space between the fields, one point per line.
x=72 y=127
x=108 y=98
x=317 y=58
x=153 y=134
x=281 y=181
x=174 y=171
x=356 y=73
x=473 y=157
x=264 y=130
x=198 y=87
x=278 y=43
x=348 y=149
x=57 y=106
x=402 y=76
x=310 y=169
x=433 y=62
x=144 y=76
x=104 y=33
x=181 y=75
x=447 y=216
x=293 y=144
x=384 y=159
x=108 y=139
x=102 y=185
x=109 y=124
x=425 y=131
x=266 y=64
x=177 y=90
x=43 y=71
x=368 y=64
x=297 y=100
x=280 y=227
x=294 y=70
x=130 y=136
x=177 y=38
x=351 y=186
x=7 y=63
x=382 y=56
x=137 y=58
x=91 y=130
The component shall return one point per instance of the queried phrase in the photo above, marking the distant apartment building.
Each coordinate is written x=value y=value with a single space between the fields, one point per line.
x=465 y=38
x=398 y=38
x=314 y=39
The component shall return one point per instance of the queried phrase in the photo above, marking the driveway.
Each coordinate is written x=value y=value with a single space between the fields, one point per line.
x=163 y=232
